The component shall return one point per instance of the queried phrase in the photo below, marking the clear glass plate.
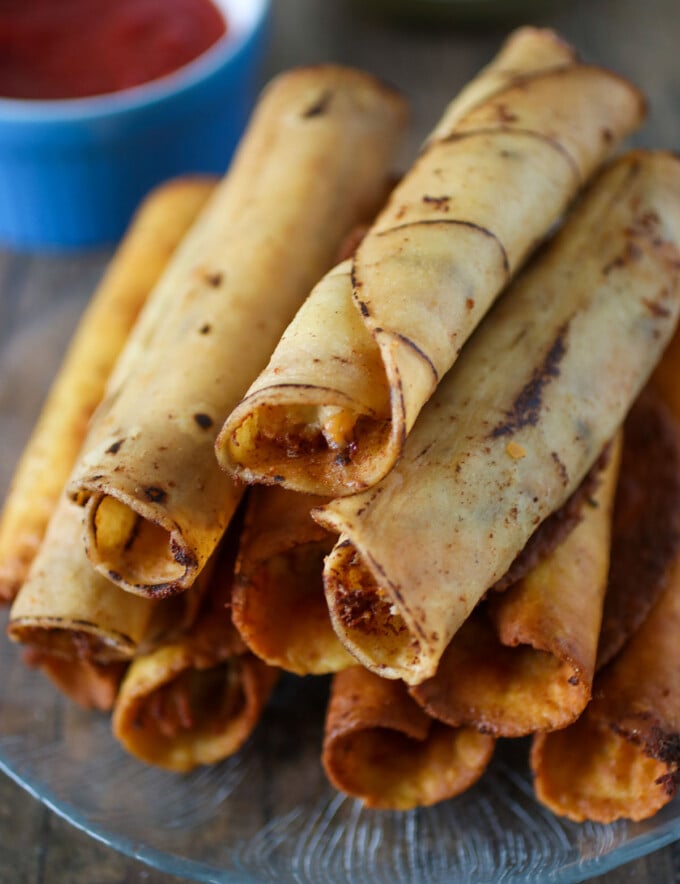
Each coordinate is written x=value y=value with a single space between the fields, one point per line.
x=268 y=814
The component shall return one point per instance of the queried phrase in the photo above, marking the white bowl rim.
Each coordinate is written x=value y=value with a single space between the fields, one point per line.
x=244 y=18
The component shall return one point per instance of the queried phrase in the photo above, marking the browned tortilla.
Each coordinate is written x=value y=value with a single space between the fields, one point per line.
x=510 y=433
x=381 y=747
x=646 y=534
x=313 y=162
x=154 y=233
x=278 y=603
x=525 y=661
x=341 y=393
x=622 y=758
x=89 y=684
x=195 y=699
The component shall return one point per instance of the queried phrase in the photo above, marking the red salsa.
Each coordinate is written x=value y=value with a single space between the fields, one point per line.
x=53 y=49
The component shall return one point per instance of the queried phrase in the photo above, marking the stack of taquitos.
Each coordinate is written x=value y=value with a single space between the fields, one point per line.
x=511 y=432
x=74 y=619
x=343 y=389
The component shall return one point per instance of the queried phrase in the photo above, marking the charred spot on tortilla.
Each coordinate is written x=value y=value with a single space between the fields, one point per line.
x=203 y=420
x=156 y=494
x=526 y=409
x=115 y=447
x=319 y=106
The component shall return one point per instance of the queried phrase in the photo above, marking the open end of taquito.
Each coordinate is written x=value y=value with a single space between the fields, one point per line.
x=278 y=603
x=178 y=712
x=157 y=500
x=379 y=746
x=513 y=429
x=524 y=661
x=195 y=699
x=65 y=608
x=493 y=178
x=154 y=233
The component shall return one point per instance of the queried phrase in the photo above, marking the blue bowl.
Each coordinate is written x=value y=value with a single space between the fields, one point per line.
x=73 y=171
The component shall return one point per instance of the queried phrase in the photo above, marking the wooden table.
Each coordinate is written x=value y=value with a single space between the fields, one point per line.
x=638 y=39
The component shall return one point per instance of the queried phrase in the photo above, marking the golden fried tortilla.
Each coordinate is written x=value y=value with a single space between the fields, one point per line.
x=382 y=748
x=278 y=602
x=195 y=699
x=154 y=233
x=525 y=660
x=331 y=412
x=511 y=432
x=313 y=162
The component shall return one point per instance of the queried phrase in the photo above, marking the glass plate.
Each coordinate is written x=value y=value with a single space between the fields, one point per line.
x=268 y=814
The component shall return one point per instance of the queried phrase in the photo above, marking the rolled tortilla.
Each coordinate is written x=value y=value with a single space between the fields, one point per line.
x=194 y=700
x=526 y=661
x=312 y=164
x=381 y=747
x=66 y=609
x=621 y=759
x=646 y=531
x=278 y=603
x=154 y=233
x=513 y=429
x=331 y=412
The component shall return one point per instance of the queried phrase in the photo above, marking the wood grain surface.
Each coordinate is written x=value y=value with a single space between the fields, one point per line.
x=638 y=39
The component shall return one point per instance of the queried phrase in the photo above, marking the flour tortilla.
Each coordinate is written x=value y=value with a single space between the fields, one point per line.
x=342 y=391
x=525 y=662
x=621 y=759
x=154 y=233
x=512 y=431
x=278 y=603
x=379 y=746
x=195 y=699
x=313 y=163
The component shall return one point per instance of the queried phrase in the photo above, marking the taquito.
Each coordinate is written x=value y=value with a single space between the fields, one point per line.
x=194 y=700
x=381 y=747
x=609 y=764
x=66 y=609
x=154 y=233
x=525 y=661
x=621 y=758
x=513 y=429
x=313 y=163
x=331 y=412
x=278 y=602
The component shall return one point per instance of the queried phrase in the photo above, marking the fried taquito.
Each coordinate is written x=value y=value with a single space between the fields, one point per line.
x=313 y=162
x=525 y=660
x=153 y=235
x=331 y=412
x=381 y=747
x=278 y=603
x=512 y=431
